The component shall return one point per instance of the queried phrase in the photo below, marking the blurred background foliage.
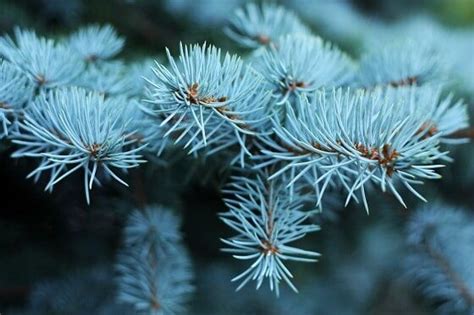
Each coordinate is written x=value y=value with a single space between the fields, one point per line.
x=45 y=236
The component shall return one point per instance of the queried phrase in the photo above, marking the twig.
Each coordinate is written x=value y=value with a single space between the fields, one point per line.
x=463 y=133
x=457 y=282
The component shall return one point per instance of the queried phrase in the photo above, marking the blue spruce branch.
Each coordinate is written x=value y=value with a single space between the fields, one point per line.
x=266 y=220
x=154 y=269
x=441 y=260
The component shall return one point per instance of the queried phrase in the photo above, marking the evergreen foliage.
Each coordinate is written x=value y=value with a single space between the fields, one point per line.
x=15 y=92
x=302 y=127
x=47 y=63
x=254 y=26
x=71 y=129
x=154 y=269
x=441 y=260
x=96 y=43
x=266 y=220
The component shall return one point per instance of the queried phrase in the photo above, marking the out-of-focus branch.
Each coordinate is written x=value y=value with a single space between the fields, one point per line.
x=463 y=133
